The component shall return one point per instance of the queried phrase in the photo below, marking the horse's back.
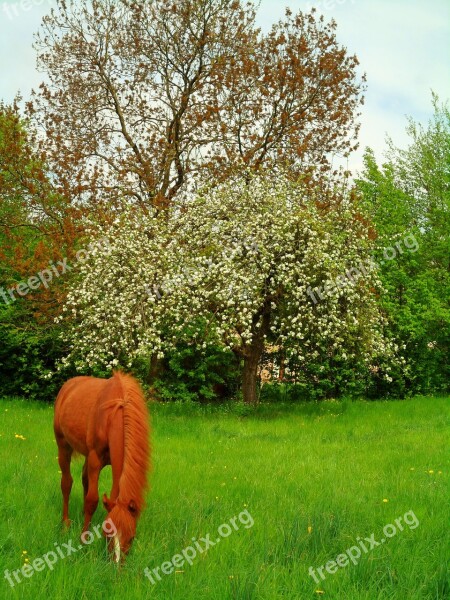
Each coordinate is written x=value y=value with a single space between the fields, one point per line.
x=74 y=408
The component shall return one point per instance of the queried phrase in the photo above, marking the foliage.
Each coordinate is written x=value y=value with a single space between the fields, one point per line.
x=332 y=374
x=27 y=356
x=28 y=349
x=409 y=197
x=36 y=223
x=317 y=379
x=141 y=97
x=232 y=268
x=188 y=374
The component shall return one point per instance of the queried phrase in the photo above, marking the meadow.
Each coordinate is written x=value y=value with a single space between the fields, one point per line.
x=285 y=488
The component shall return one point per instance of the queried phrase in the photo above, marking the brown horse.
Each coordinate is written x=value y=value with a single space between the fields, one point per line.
x=106 y=420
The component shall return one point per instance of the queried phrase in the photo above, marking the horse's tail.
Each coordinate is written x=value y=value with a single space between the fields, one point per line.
x=133 y=481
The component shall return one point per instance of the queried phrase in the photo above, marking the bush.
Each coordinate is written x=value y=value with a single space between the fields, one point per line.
x=188 y=374
x=27 y=358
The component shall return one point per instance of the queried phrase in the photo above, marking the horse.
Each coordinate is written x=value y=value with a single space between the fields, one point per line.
x=105 y=420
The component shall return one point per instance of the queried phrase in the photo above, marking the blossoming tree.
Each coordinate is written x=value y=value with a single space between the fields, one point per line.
x=233 y=265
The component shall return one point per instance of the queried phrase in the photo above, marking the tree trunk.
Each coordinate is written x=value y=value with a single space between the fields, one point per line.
x=282 y=367
x=155 y=368
x=250 y=378
x=252 y=357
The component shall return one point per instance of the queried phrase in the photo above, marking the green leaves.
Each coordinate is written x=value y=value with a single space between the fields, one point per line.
x=410 y=195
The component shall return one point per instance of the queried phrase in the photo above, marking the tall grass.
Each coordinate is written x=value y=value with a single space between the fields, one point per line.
x=314 y=478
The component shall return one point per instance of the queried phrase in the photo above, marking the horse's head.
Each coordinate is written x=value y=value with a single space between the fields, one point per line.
x=120 y=526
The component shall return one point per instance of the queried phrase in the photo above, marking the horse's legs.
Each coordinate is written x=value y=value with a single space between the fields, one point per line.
x=64 y=457
x=91 y=499
x=84 y=477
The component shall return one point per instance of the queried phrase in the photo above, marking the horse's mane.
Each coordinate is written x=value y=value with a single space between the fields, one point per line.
x=133 y=480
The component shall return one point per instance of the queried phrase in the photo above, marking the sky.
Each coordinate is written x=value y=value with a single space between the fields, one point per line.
x=403 y=47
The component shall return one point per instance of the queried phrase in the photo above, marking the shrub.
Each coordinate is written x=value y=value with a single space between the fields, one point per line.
x=189 y=374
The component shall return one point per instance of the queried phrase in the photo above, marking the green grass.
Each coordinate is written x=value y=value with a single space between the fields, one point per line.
x=313 y=477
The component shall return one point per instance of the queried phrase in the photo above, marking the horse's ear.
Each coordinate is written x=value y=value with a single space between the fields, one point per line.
x=132 y=507
x=107 y=503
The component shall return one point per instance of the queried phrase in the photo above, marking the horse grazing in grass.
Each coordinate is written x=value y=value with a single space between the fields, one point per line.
x=106 y=420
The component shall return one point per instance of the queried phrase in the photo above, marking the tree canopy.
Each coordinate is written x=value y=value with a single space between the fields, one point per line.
x=232 y=266
x=410 y=195
x=145 y=97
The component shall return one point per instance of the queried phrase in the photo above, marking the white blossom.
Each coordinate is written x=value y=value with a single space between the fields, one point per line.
x=207 y=272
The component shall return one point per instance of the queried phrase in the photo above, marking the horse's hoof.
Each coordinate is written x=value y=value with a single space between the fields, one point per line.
x=66 y=523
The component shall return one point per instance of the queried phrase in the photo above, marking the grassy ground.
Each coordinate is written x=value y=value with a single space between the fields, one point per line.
x=305 y=484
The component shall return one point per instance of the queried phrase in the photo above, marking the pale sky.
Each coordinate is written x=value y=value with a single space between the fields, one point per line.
x=403 y=47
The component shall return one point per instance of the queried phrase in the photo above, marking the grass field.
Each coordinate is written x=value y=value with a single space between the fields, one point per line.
x=305 y=484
